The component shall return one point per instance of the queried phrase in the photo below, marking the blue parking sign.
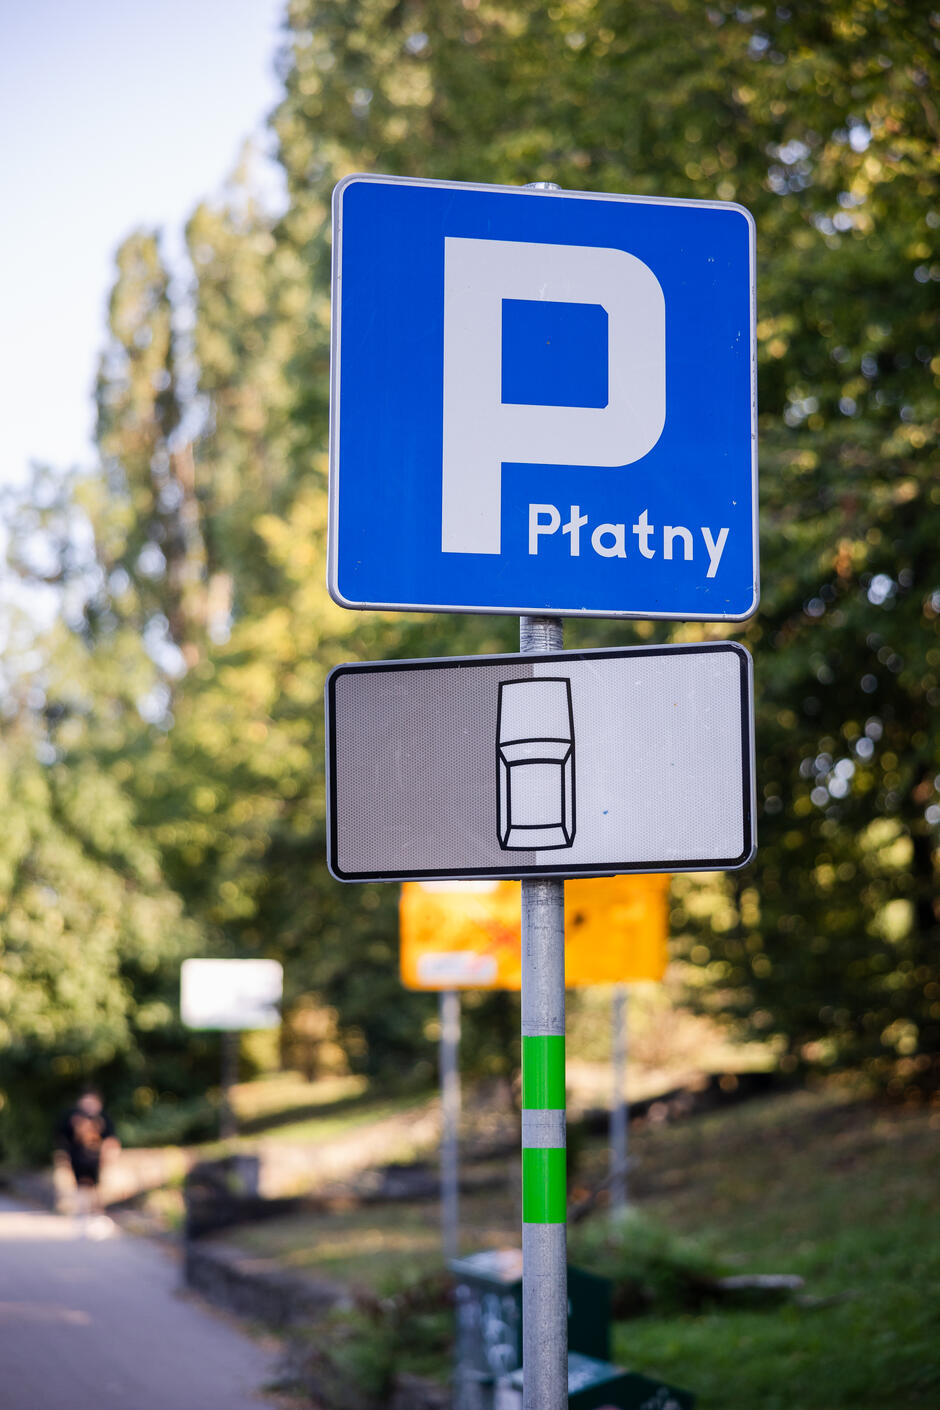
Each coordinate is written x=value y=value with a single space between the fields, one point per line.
x=542 y=402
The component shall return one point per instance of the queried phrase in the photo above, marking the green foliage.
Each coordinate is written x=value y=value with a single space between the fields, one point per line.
x=354 y=1356
x=352 y=1365
x=841 y=1194
x=821 y=123
x=838 y=1191
x=185 y=678
x=146 y=523
x=90 y=943
x=172 y=1123
x=651 y=1268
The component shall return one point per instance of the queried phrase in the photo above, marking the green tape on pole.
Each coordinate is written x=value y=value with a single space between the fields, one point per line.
x=543 y=1073
x=544 y=1196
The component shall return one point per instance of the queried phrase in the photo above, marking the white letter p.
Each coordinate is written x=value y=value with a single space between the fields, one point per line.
x=481 y=432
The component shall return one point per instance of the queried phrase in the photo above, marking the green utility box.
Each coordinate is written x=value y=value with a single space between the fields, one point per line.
x=596 y=1385
x=489 y=1312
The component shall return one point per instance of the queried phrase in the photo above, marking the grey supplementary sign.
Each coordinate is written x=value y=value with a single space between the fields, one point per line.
x=567 y=764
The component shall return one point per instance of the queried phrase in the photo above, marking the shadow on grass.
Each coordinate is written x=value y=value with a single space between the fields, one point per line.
x=340 y=1106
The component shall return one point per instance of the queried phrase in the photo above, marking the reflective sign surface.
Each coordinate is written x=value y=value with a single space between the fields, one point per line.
x=575 y=763
x=542 y=402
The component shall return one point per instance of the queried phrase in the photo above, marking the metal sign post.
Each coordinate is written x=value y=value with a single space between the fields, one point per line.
x=544 y=1192
x=230 y=997
x=450 y=1120
x=231 y=1043
x=543 y=403
x=619 y=1111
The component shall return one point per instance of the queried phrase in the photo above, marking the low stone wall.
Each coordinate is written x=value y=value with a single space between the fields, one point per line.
x=261 y=1291
x=133 y=1173
x=257 y=1288
x=283 y=1168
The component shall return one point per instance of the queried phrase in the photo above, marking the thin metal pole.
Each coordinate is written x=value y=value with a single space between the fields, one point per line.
x=450 y=1110
x=619 y=1110
x=228 y=1126
x=544 y=1198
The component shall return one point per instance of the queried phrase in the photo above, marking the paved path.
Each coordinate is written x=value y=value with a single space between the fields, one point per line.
x=102 y=1325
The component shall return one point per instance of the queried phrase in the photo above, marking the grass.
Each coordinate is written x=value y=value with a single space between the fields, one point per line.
x=280 y=1094
x=842 y=1194
x=367 y=1246
x=335 y=1119
x=285 y=1108
x=262 y=1106
x=819 y=1184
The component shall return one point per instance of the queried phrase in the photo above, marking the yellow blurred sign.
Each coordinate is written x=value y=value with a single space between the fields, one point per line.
x=466 y=934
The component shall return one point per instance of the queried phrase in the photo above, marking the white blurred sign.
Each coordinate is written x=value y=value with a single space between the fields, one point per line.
x=232 y=995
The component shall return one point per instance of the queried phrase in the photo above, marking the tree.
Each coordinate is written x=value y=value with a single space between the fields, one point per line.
x=91 y=935
x=823 y=124
x=202 y=572
x=146 y=521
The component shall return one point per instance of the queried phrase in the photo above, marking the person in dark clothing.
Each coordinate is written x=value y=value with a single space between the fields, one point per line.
x=84 y=1137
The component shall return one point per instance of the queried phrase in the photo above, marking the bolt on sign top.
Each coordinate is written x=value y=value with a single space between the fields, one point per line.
x=542 y=402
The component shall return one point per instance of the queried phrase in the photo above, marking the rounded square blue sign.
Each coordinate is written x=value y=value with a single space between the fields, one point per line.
x=542 y=402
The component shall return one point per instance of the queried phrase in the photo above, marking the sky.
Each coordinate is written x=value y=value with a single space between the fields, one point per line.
x=113 y=115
